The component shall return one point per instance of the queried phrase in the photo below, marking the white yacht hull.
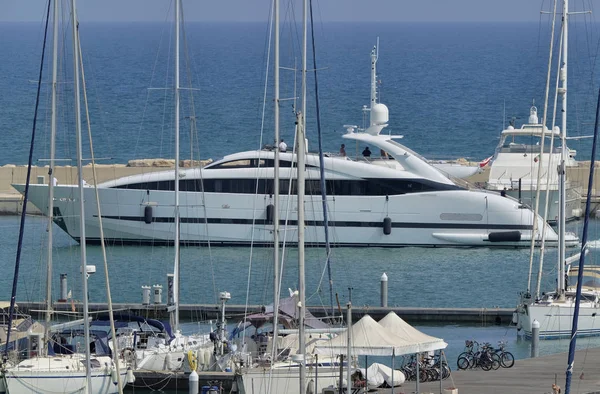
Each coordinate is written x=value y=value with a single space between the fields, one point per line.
x=556 y=319
x=61 y=374
x=573 y=209
x=422 y=219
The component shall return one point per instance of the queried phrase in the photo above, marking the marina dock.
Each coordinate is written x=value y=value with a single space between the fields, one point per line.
x=532 y=375
x=205 y=312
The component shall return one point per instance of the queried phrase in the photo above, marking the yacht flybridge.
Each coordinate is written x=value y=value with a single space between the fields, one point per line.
x=396 y=200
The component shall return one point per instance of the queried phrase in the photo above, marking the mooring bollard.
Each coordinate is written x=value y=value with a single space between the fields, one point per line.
x=535 y=338
x=157 y=294
x=146 y=295
x=384 y=290
x=194 y=381
x=63 y=288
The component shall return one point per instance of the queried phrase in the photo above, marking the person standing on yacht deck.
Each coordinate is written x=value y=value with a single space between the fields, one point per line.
x=343 y=150
x=282 y=146
x=366 y=152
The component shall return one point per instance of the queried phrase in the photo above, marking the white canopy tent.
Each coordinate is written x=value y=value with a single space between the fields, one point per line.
x=370 y=338
x=425 y=343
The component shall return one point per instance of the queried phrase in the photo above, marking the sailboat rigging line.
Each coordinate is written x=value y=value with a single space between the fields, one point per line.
x=13 y=294
x=543 y=137
x=321 y=160
x=262 y=128
x=551 y=165
x=115 y=354
x=188 y=65
x=156 y=57
x=573 y=342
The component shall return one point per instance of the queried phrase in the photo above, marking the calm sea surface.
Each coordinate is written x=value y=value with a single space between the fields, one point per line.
x=450 y=89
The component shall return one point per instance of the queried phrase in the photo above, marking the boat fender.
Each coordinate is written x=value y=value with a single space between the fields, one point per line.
x=113 y=375
x=130 y=376
x=207 y=359
x=148 y=214
x=192 y=360
x=200 y=359
x=387 y=225
x=505 y=236
x=270 y=213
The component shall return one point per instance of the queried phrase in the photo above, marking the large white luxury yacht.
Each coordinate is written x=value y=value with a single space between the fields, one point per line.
x=395 y=200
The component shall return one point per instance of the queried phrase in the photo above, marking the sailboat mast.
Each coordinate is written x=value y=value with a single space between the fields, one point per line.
x=301 y=152
x=561 y=168
x=276 y=174
x=82 y=241
x=51 y=176
x=177 y=229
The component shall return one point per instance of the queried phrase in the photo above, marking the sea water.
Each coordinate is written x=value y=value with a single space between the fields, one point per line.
x=450 y=87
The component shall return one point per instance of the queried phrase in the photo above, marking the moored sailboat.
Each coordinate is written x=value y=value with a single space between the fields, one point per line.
x=57 y=366
x=554 y=310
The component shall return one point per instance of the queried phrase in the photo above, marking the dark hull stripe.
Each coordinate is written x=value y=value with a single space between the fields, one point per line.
x=320 y=223
x=159 y=242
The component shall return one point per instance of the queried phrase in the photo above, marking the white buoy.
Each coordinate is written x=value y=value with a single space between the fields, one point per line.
x=130 y=376
x=194 y=383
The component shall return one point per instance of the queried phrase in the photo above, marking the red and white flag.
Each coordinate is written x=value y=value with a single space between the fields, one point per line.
x=484 y=163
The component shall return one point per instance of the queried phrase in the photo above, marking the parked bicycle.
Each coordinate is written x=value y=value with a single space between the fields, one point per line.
x=482 y=356
x=507 y=360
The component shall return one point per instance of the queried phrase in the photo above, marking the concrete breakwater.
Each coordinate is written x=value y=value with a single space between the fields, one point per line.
x=11 y=201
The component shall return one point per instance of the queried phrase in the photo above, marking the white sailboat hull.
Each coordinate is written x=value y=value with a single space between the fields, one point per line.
x=61 y=374
x=449 y=218
x=286 y=380
x=556 y=319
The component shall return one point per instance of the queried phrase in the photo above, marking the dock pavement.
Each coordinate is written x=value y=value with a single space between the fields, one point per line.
x=527 y=376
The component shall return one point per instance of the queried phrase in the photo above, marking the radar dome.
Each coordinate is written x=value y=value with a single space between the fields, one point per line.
x=379 y=114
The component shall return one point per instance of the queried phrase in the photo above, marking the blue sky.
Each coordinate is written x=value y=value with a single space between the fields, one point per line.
x=257 y=10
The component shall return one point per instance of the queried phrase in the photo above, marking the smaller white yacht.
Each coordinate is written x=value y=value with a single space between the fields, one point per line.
x=515 y=165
